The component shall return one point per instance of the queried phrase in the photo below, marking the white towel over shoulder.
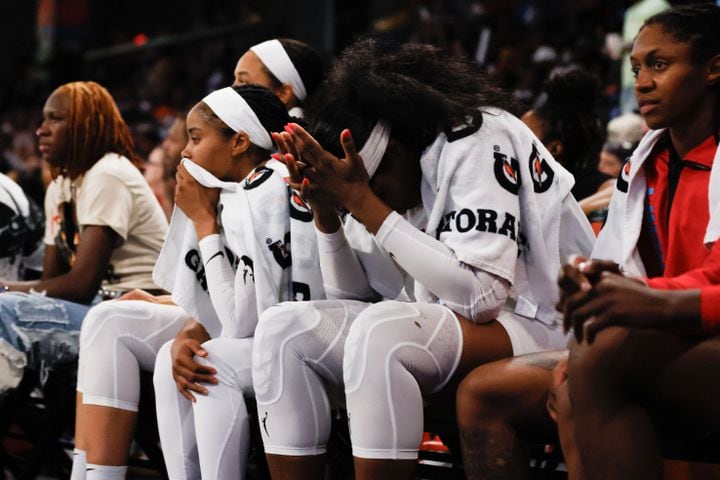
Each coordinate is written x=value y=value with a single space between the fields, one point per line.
x=179 y=268
x=713 y=229
x=259 y=217
x=618 y=238
x=496 y=197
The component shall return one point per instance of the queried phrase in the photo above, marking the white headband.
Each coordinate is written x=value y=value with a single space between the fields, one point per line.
x=375 y=146
x=272 y=54
x=231 y=108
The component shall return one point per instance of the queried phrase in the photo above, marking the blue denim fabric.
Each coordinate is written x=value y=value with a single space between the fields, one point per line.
x=45 y=328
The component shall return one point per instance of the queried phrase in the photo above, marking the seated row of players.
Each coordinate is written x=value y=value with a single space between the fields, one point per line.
x=254 y=237
x=440 y=222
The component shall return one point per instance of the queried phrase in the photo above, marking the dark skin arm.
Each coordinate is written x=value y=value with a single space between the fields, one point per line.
x=81 y=283
x=199 y=204
x=187 y=373
x=53 y=264
x=621 y=301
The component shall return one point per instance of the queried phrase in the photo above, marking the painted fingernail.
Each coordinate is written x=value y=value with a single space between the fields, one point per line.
x=289 y=128
x=346 y=134
x=277 y=156
x=305 y=182
x=286 y=179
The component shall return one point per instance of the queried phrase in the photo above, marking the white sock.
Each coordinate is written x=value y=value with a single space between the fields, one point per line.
x=78 y=465
x=105 y=472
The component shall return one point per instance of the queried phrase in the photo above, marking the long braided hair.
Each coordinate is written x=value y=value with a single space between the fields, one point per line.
x=96 y=128
x=420 y=89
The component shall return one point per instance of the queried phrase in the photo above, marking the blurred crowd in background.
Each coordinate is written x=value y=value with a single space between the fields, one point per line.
x=156 y=57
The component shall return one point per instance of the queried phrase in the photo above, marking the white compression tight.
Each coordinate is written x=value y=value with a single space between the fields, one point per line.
x=394 y=354
x=209 y=438
x=117 y=340
x=298 y=353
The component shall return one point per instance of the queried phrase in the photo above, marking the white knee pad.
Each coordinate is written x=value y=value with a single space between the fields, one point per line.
x=163 y=366
x=91 y=325
x=232 y=359
x=117 y=340
x=175 y=421
x=222 y=426
x=210 y=438
x=298 y=353
x=396 y=352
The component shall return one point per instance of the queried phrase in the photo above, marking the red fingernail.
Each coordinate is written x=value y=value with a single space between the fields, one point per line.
x=346 y=134
x=289 y=128
x=305 y=182
x=288 y=157
x=277 y=156
x=287 y=179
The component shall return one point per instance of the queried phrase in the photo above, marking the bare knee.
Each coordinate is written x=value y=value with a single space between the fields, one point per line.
x=493 y=391
x=479 y=395
x=605 y=358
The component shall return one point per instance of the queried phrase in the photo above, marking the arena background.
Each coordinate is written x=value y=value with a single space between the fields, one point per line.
x=157 y=57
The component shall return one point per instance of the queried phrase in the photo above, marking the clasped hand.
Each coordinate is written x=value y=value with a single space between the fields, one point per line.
x=594 y=295
x=322 y=179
